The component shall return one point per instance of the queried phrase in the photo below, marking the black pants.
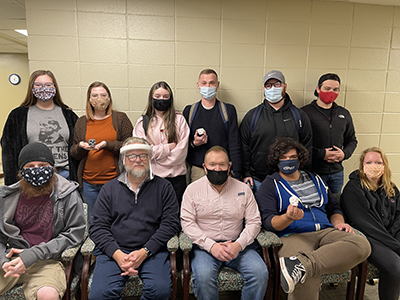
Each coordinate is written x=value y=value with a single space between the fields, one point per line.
x=388 y=263
x=179 y=184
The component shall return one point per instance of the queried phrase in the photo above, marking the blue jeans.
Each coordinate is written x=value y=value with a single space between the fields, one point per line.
x=64 y=173
x=334 y=181
x=256 y=186
x=89 y=195
x=249 y=263
x=108 y=283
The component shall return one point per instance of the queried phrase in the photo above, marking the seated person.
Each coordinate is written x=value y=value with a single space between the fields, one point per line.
x=133 y=218
x=41 y=216
x=212 y=214
x=371 y=203
x=299 y=207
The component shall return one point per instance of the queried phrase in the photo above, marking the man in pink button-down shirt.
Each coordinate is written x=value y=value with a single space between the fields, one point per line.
x=213 y=209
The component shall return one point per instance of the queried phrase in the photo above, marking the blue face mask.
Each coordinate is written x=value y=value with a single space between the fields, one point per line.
x=274 y=94
x=37 y=176
x=208 y=92
x=288 y=166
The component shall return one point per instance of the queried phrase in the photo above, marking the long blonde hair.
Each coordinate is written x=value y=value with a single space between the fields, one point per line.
x=386 y=179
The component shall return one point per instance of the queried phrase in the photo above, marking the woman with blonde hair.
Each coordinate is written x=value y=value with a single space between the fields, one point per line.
x=41 y=117
x=98 y=137
x=371 y=203
x=168 y=133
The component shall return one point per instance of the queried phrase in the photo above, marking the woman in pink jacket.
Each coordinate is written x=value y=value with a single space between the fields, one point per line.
x=168 y=133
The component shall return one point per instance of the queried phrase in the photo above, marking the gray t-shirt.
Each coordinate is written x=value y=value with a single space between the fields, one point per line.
x=305 y=189
x=50 y=127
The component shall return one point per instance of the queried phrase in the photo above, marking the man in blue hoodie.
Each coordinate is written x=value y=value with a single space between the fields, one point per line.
x=134 y=216
x=299 y=207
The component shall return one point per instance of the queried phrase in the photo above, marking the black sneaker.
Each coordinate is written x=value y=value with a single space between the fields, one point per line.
x=292 y=271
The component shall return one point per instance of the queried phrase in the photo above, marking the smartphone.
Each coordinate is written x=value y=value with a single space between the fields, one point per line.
x=92 y=142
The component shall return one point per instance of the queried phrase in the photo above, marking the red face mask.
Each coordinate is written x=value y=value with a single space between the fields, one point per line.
x=327 y=97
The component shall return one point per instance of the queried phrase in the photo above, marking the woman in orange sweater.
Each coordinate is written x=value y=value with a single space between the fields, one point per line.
x=98 y=136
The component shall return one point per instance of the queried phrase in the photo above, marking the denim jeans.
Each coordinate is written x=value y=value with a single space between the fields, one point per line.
x=249 y=263
x=256 y=186
x=334 y=181
x=64 y=173
x=155 y=273
x=89 y=195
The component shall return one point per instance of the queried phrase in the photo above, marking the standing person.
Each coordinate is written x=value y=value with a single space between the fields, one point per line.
x=168 y=134
x=41 y=216
x=371 y=203
x=334 y=138
x=220 y=216
x=212 y=123
x=275 y=117
x=105 y=129
x=134 y=217
x=301 y=210
x=42 y=117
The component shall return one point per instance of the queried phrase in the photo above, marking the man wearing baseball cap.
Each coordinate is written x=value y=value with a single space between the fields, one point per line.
x=134 y=216
x=276 y=117
x=41 y=215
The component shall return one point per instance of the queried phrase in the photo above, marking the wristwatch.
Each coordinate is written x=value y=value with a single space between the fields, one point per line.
x=148 y=252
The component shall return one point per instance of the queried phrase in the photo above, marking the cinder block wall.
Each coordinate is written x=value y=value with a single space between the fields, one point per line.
x=130 y=44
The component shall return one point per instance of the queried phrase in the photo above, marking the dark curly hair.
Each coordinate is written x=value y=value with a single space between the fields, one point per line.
x=282 y=146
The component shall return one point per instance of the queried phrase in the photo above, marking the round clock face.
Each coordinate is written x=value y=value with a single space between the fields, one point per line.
x=14 y=79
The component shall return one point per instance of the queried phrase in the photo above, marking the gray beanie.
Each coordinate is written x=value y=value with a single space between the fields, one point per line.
x=35 y=152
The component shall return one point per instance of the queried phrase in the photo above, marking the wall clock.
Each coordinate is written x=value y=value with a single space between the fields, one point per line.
x=14 y=79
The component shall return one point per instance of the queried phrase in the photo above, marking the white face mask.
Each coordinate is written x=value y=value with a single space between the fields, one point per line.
x=208 y=93
x=274 y=94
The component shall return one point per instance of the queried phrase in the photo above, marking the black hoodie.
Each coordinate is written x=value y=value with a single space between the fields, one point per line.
x=373 y=213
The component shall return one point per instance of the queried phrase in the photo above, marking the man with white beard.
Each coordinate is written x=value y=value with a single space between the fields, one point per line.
x=134 y=216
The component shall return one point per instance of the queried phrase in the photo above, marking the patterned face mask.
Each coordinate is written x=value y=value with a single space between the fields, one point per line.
x=100 y=103
x=44 y=93
x=374 y=170
x=37 y=176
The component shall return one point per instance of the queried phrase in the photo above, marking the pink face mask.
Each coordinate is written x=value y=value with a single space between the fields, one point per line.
x=327 y=97
x=374 y=170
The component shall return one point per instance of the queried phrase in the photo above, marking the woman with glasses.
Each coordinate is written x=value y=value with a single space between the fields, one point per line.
x=371 y=203
x=98 y=137
x=41 y=117
x=168 y=133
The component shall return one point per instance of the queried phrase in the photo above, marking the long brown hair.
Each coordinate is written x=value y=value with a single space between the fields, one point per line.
x=169 y=115
x=386 y=179
x=30 y=99
x=89 y=107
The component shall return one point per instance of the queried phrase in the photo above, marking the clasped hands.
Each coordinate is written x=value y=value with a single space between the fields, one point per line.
x=15 y=267
x=226 y=251
x=129 y=263
x=334 y=154
x=98 y=146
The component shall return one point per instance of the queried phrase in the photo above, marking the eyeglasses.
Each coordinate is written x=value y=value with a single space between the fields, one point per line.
x=275 y=84
x=142 y=157
x=94 y=96
x=39 y=85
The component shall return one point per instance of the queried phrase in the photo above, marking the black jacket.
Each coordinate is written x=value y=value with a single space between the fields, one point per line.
x=272 y=124
x=339 y=132
x=373 y=213
x=15 y=138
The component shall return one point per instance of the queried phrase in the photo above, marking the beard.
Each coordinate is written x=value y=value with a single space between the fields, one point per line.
x=32 y=191
x=138 y=174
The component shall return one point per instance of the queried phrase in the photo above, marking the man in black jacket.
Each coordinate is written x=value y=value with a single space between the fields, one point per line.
x=333 y=131
x=275 y=117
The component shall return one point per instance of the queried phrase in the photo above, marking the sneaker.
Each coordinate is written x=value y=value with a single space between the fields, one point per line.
x=292 y=271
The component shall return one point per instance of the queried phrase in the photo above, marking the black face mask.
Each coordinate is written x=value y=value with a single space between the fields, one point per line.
x=217 y=177
x=161 y=104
